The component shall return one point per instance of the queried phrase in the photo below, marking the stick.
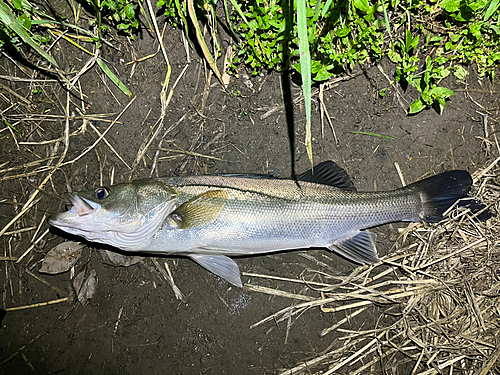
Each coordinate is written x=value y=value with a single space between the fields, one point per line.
x=168 y=277
x=41 y=304
x=32 y=245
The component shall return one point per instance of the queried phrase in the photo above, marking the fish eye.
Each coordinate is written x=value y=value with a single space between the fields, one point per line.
x=101 y=193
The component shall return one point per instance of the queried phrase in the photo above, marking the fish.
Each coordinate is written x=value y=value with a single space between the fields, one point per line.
x=212 y=218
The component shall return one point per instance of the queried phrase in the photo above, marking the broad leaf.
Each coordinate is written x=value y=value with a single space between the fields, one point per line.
x=417 y=106
x=62 y=257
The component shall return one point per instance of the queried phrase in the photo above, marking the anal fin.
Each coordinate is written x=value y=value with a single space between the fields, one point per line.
x=221 y=265
x=359 y=248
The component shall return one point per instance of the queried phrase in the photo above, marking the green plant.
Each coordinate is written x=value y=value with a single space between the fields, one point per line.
x=344 y=33
x=426 y=39
x=17 y=22
x=120 y=13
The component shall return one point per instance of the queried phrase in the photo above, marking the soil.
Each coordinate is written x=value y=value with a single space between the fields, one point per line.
x=134 y=323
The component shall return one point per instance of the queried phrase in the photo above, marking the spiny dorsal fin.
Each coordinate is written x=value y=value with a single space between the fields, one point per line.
x=359 y=248
x=200 y=210
x=328 y=173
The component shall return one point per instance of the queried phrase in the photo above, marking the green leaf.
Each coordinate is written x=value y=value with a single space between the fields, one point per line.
x=362 y=5
x=426 y=97
x=450 y=5
x=343 y=32
x=442 y=104
x=491 y=9
x=25 y=21
x=414 y=42
x=428 y=68
x=122 y=26
x=129 y=11
x=17 y=4
x=201 y=40
x=441 y=92
x=386 y=19
x=417 y=106
x=323 y=74
x=113 y=77
x=460 y=72
x=316 y=11
x=476 y=5
x=408 y=40
x=394 y=56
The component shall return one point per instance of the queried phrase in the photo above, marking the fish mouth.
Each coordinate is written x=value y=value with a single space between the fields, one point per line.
x=80 y=207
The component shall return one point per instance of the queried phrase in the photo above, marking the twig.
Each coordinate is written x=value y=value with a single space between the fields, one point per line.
x=332 y=83
x=35 y=305
x=43 y=281
x=102 y=135
x=5 y=259
x=396 y=90
x=32 y=246
x=189 y=153
x=396 y=164
x=165 y=272
x=22 y=230
x=109 y=145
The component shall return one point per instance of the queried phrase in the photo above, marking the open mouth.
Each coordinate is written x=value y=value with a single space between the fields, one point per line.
x=81 y=206
x=78 y=207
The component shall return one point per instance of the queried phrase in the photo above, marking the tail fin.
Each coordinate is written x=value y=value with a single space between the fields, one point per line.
x=438 y=193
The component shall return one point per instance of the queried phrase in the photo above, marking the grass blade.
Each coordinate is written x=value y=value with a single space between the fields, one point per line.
x=491 y=9
x=327 y=6
x=9 y=19
x=201 y=41
x=238 y=10
x=386 y=19
x=181 y=12
x=113 y=77
x=374 y=135
x=305 y=69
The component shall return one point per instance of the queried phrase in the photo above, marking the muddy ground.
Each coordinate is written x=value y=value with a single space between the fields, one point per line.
x=134 y=323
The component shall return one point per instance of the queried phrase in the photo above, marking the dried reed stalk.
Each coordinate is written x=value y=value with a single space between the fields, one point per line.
x=444 y=283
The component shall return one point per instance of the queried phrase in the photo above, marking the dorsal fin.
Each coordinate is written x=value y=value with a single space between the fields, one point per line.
x=328 y=173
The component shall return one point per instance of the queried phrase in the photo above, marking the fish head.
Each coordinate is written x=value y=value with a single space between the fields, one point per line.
x=133 y=210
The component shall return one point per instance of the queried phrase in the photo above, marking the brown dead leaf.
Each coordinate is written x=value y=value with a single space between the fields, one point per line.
x=85 y=290
x=62 y=257
x=119 y=260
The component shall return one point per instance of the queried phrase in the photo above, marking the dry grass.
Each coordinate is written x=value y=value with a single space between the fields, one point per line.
x=441 y=288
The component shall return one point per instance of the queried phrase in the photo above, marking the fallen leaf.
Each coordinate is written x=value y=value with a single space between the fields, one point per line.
x=78 y=281
x=116 y=259
x=62 y=257
x=88 y=288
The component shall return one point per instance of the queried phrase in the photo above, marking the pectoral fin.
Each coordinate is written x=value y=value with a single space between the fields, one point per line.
x=200 y=210
x=359 y=248
x=221 y=265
